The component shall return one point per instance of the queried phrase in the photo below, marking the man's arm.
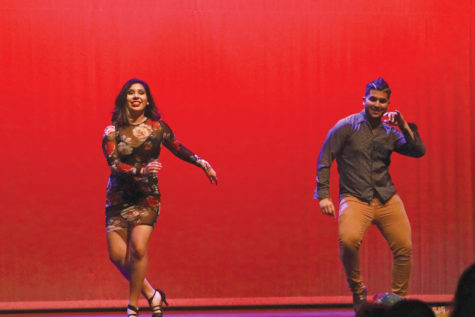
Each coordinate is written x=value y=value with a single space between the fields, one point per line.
x=330 y=149
x=411 y=144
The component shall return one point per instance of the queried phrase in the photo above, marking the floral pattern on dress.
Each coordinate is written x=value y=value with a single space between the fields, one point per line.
x=156 y=125
x=142 y=132
x=152 y=201
x=131 y=214
x=148 y=145
x=110 y=132
x=124 y=146
x=133 y=198
x=114 y=224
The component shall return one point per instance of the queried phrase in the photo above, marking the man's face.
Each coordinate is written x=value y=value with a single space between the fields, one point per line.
x=376 y=103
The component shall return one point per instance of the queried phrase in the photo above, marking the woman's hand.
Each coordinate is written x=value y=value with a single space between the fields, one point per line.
x=209 y=171
x=151 y=168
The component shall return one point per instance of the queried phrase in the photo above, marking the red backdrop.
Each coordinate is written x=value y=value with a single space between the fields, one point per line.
x=253 y=87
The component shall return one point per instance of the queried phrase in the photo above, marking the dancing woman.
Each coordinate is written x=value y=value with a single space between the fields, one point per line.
x=132 y=146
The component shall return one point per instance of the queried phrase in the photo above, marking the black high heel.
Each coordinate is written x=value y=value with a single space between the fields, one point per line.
x=134 y=309
x=157 y=309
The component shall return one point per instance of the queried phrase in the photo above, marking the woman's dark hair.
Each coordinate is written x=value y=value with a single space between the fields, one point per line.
x=464 y=301
x=119 y=115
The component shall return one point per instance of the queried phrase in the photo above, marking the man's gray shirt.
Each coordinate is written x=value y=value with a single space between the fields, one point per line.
x=363 y=156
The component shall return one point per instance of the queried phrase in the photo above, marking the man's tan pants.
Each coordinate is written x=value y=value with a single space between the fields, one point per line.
x=355 y=218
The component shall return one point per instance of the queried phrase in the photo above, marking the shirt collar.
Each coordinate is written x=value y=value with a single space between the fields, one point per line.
x=362 y=118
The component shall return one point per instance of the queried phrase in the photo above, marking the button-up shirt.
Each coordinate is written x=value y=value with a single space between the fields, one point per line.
x=363 y=155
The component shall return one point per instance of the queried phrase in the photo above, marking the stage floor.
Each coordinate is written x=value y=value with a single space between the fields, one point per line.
x=310 y=312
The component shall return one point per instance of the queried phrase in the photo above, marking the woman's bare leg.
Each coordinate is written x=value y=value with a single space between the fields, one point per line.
x=137 y=260
x=117 y=247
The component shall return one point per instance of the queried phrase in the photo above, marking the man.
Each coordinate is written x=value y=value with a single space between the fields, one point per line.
x=362 y=145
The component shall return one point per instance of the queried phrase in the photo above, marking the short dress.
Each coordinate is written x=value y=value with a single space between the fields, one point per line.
x=132 y=198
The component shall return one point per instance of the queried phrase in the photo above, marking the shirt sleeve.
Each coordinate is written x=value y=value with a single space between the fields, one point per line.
x=172 y=144
x=406 y=145
x=332 y=145
x=109 y=147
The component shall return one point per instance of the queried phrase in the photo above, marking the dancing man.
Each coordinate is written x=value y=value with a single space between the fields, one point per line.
x=362 y=145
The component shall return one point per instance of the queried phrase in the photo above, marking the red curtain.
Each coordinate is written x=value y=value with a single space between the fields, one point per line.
x=253 y=87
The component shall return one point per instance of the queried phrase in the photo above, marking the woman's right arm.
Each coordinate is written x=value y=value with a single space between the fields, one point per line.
x=109 y=147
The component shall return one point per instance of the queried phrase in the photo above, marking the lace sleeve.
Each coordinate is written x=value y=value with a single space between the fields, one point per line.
x=172 y=144
x=109 y=147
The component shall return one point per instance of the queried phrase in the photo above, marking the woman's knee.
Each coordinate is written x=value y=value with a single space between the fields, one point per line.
x=117 y=258
x=137 y=251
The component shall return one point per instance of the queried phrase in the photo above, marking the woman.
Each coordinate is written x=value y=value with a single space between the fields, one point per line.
x=132 y=146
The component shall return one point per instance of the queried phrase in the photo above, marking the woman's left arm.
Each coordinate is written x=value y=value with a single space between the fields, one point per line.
x=172 y=144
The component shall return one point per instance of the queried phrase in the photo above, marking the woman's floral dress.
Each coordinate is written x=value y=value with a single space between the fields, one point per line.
x=133 y=198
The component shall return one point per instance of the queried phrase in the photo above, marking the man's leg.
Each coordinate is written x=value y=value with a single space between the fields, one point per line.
x=393 y=223
x=354 y=219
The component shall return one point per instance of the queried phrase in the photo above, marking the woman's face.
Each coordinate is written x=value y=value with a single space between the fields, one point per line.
x=136 y=98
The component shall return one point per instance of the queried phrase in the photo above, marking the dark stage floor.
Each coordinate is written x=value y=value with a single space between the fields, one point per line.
x=212 y=313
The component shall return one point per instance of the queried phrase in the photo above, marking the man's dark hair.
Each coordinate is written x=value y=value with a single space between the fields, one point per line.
x=378 y=84
x=119 y=115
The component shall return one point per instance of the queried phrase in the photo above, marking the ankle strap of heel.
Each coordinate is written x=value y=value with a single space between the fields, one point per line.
x=134 y=309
